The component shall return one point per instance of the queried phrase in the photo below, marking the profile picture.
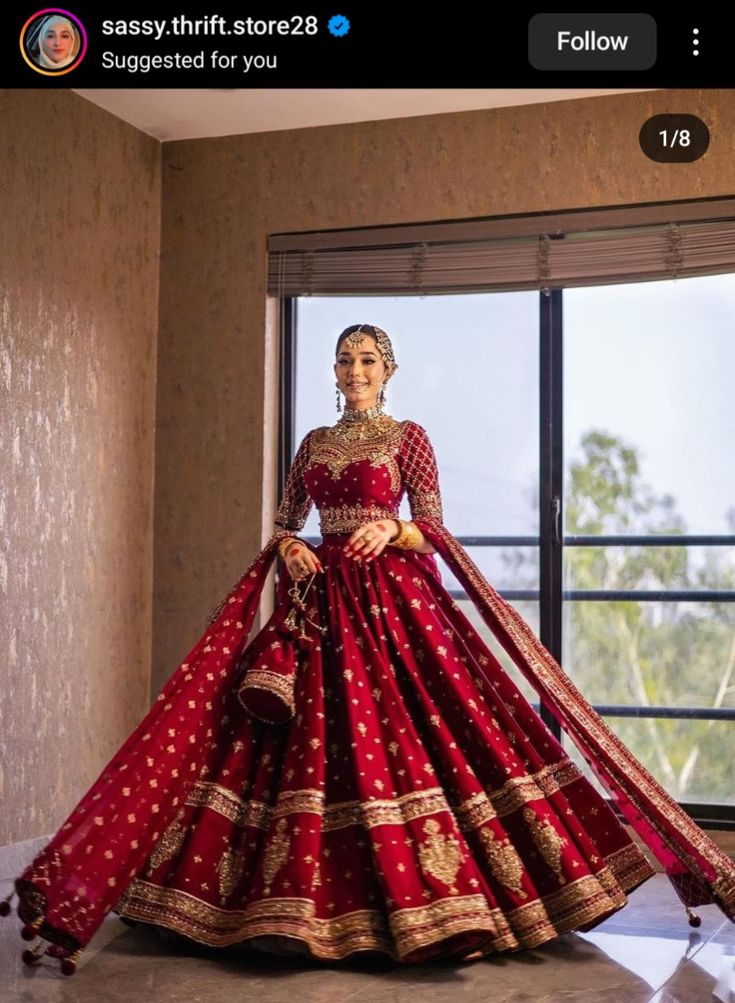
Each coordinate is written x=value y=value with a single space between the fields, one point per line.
x=53 y=41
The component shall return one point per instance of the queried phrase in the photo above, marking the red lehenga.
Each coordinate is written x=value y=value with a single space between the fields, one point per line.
x=415 y=804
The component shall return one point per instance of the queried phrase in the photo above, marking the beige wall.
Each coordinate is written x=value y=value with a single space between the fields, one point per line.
x=77 y=483
x=221 y=199
x=79 y=245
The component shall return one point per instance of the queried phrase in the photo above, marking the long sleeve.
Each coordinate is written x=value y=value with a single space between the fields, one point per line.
x=420 y=473
x=296 y=502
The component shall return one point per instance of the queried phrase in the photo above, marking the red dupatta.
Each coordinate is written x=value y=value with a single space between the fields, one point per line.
x=699 y=870
x=68 y=889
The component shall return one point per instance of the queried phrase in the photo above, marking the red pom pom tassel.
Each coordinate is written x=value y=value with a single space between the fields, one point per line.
x=30 y=930
x=32 y=957
x=69 y=965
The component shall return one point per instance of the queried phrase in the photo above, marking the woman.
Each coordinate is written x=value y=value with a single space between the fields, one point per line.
x=414 y=803
x=55 y=43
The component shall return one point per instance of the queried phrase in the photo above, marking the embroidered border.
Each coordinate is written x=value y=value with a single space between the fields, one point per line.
x=398 y=933
x=478 y=808
x=346 y=518
x=272 y=682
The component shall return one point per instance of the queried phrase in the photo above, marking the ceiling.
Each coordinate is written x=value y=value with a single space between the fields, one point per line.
x=169 y=114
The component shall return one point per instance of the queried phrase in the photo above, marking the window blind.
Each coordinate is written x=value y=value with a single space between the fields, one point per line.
x=595 y=247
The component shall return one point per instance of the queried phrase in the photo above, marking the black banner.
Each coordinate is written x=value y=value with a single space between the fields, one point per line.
x=356 y=46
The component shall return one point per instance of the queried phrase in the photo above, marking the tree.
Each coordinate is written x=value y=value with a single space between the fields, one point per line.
x=662 y=653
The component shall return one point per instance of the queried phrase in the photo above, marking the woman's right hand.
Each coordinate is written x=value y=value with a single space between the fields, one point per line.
x=301 y=561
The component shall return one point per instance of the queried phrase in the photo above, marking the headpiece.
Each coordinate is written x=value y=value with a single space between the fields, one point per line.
x=356 y=337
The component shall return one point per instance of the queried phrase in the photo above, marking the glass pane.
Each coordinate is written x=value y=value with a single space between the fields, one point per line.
x=646 y=569
x=692 y=760
x=505 y=567
x=652 y=654
x=648 y=421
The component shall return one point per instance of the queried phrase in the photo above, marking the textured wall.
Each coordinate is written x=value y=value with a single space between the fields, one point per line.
x=221 y=199
x=79 y=243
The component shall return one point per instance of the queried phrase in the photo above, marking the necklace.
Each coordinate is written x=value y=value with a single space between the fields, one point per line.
x=353 y=414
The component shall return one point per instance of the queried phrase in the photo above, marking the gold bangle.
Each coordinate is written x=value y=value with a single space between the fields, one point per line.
x=409 y=536
x=285 y=544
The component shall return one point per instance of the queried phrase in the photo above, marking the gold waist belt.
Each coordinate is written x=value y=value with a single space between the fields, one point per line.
x=347 y=518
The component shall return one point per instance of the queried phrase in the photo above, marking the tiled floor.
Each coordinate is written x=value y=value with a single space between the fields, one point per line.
x=645 y=952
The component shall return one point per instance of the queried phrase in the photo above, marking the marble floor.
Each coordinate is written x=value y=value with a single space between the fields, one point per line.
x=645 y=952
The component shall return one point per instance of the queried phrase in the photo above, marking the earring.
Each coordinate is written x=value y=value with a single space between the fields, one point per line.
x=339 y=402
x=381 y=395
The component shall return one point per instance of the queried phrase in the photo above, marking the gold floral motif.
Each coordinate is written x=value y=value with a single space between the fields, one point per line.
x=276 y=854
x=169 y=844
x=316 y=878
x=548 y=840
x=504 y=860
x=440 y=854
x=230 y=868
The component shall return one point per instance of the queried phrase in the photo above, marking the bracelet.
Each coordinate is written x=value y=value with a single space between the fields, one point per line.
x=409 y=536
x=285 y=544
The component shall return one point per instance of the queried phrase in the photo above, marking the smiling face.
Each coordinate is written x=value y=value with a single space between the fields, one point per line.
x=360 y=372
x=57 y=41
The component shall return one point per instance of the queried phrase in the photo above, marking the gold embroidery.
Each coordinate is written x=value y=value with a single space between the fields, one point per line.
x=275 y=854
x=346 y=518
x=230 y=868
x=425 y=503
x=628 y=866
x=400 y=933
x=316 y=878
x=470 y=814
x=337 y=815
x=440 y=854
x=547 y=839
x=376 y=440
x=273 y=682
x=169 y=844
x=296 y=502
x=420 y=474
x=504 y=860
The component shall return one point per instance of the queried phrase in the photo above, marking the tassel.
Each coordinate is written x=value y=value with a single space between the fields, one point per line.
x=5 y=904
x=694 y=920
x=69 y=965
x=30 y=930
x=33 y=957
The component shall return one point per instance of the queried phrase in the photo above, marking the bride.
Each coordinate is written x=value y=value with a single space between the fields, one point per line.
x=387 y=789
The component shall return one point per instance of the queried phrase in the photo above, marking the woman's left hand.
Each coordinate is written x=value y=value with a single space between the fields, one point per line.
x=369 y=540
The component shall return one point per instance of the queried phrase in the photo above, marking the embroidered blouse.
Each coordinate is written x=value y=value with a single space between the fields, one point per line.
x=359 y=472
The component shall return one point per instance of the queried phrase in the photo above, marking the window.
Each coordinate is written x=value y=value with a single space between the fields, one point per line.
x=620 y=413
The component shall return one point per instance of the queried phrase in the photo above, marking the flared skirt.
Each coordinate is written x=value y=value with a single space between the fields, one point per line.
x=416 y=804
